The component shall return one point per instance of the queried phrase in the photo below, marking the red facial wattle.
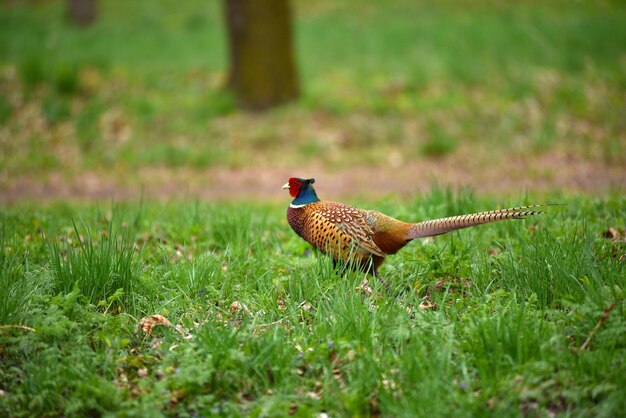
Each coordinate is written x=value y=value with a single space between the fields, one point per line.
x=294 y=187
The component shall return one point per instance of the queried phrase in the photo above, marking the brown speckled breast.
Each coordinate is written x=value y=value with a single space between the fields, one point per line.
x=335 y=229
x=295 y=218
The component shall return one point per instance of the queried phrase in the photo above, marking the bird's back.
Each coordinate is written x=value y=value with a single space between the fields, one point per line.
x=335 y=228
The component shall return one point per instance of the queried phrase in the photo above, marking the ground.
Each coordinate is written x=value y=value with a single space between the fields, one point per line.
x=508 y=175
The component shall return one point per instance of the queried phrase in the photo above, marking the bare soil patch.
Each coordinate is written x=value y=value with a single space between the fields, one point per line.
x=551 y=172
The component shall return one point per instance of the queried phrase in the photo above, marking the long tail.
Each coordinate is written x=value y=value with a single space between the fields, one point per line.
x=443 y=225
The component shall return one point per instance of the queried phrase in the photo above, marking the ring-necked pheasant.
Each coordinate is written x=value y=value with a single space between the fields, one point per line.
x=366 y=237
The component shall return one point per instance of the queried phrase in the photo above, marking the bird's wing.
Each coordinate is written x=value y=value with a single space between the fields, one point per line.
x=350 y=225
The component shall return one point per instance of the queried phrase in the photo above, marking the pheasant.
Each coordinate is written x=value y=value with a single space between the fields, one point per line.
x=366 y=237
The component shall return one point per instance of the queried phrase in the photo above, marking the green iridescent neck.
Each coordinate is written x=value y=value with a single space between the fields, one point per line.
x=306 y=196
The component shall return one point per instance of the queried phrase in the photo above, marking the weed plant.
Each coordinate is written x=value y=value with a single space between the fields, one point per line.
x=98 y=266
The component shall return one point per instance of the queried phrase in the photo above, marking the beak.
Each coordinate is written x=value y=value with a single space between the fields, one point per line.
x=286 y=186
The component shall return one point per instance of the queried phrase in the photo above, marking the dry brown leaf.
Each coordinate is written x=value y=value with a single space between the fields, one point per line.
x=235 y=307
x=305 y=306
x=148 y=322
x=364 y=288
x=427 y=305
x=612 y=234
x=454 y=283
x=313 y=395
x=339 y=377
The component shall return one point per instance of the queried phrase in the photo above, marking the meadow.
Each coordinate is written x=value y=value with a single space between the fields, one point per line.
x=382 y=85
x=196 y=304
x=522 y=318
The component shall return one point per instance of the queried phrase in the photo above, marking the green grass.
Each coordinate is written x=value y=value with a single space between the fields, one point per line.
x=407 y=77
x=99 y=269
x=487 y=321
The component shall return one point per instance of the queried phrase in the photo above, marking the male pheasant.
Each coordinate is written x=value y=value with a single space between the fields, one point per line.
x=366 y=237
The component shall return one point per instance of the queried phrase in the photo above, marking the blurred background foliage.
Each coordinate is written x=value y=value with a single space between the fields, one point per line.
x=383 y=84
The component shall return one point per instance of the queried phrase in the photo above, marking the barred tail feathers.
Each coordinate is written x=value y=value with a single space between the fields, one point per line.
x=441 y=226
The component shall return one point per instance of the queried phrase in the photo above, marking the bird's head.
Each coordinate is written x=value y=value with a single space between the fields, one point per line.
x=296 y=185
x=301 y=190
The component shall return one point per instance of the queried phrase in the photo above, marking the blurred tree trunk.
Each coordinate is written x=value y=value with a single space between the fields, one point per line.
x=262 y=68
x=82 y=12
